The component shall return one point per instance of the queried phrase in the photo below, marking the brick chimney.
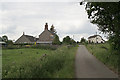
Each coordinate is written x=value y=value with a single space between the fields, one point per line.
x=23 y=33
x=46 y=26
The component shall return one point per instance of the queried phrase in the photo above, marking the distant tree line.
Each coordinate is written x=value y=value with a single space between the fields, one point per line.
x=68 y=40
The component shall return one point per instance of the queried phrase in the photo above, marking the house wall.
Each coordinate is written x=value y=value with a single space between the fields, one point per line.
x=23 y=39
x=46 y=36
x=97 y=39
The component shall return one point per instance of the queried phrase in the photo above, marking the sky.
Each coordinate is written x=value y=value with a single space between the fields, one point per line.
x=68 y=17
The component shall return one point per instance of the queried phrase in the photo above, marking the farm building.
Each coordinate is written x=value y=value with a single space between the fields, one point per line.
x=46 y=37
x=95 y=39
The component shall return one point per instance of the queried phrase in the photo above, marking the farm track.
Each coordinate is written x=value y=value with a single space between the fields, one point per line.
x=87 y=66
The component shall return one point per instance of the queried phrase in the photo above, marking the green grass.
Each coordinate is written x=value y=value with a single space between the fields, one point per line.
x=57 y=63
x=104 y=53
x=19 y=56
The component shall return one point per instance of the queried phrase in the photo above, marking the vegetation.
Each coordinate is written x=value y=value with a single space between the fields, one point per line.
x=23 y=46
x=46 y=47
x=39 y=63
x=68 y=40
x=82 y=40
x=6 y=40
x=53 y=29
x=56 y=40
x=104 y=54
x=106 y=17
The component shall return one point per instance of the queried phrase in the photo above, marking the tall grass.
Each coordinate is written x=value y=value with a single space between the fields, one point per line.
x=52 y=64
x=104 y=53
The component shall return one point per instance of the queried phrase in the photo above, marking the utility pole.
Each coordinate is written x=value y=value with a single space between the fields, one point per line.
x=73 y=37
x=96 y=37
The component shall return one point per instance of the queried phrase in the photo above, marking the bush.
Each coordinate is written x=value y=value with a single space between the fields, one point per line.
x=12 y=47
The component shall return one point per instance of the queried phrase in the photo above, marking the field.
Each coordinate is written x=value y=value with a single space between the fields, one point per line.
x=38 y=63
x=104 y=53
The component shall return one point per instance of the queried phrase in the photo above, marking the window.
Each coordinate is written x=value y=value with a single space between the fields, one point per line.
x=51 y=36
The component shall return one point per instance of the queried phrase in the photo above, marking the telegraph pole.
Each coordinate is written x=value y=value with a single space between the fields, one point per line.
x=96 y=37
x=73 y=37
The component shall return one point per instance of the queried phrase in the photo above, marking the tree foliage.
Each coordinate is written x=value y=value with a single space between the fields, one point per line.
x=10 y=42
x=1 y=39
x=106 y=15
x=53 y=29
x=68 y=40
x=83 y=40
x=56 y=40
x=5 y=38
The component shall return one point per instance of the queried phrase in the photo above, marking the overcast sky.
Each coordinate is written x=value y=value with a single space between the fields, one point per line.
x=68 y=18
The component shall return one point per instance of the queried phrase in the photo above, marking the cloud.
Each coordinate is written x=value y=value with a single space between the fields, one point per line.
x=40 y=0
x=69 y=18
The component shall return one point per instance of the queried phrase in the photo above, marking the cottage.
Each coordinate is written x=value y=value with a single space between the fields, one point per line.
x=26 y=39
x=47 y=36
x=95 y=39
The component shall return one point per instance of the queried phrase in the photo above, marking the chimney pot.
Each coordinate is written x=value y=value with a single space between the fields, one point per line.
x=23 y=33
x=46 y=26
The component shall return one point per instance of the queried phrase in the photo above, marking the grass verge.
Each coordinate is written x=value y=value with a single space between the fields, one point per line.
x=105 y=55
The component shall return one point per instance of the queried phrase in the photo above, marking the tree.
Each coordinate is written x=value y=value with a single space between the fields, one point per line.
x=83 y=40
x=107 y=17
x=1 y=39
x=67 y=40
x=5 y=38
x=53 y=29
x=78 y=42
x=73 y=42
x=56 y=40
x=10 y=42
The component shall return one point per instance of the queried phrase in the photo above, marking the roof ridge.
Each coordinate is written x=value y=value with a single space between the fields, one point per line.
x=93 y=36
x=52 y=32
